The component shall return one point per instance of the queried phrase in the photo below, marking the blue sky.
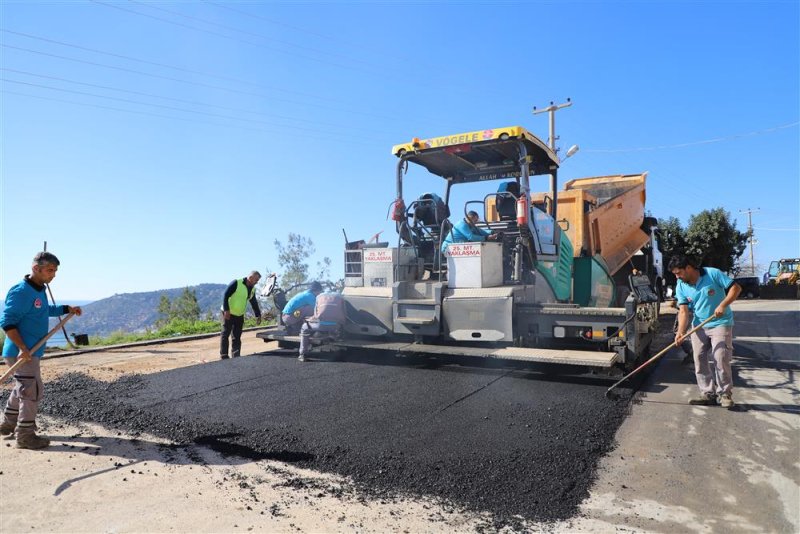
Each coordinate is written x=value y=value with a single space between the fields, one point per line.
x=164 y=144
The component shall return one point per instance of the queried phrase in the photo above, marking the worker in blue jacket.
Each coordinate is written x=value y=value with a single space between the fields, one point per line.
x=25 y=320
x=299 y=308
x=466 y=231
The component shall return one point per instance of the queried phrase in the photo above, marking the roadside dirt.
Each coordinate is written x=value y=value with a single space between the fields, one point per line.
x=110 y=365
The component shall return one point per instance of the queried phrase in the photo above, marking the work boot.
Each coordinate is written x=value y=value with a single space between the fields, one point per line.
x=27 y=439
x=7 y=428
x=9 y=423
x=726 y=401
x=706 y=399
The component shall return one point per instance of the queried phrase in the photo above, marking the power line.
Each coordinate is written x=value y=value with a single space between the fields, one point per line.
x=190 y=102
x=245 y=32
x=171 y=108
x=245 y=41
x=137 y=112
x=695 y=143
x=392 y=77
x=283 y=24
x=415 y=59
x=199 y=84
x=167 y=66
x=185 y=119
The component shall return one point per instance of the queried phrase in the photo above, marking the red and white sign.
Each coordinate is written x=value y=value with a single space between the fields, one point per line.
x=464 y=251
x=378 y=256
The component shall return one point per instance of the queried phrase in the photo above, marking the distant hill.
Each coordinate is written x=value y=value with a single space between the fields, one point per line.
x=134 y=312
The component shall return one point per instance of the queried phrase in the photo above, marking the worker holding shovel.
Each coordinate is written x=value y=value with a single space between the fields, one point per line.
x=25 y=321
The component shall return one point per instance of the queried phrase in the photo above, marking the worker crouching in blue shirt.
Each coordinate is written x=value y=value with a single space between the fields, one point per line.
x=299 y=308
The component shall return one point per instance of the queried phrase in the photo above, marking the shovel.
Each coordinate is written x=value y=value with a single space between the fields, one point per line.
x=36 y=347
x=654 y=358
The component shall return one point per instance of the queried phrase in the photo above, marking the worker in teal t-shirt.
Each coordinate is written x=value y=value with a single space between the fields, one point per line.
x=708 y=292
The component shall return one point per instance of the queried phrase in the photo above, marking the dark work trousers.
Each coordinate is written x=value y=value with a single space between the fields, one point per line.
x=231 y=326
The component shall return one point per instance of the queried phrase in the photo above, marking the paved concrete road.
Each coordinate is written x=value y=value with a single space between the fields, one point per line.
x=680 y=468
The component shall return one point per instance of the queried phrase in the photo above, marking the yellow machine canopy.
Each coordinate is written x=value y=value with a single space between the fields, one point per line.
x=480 y=155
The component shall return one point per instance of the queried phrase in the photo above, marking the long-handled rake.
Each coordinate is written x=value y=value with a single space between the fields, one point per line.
x=609 y=393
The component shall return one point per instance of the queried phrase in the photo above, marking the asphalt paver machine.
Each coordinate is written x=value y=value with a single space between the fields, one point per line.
x=557 y=285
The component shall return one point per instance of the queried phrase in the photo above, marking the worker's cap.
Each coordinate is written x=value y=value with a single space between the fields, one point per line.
x=316 y=286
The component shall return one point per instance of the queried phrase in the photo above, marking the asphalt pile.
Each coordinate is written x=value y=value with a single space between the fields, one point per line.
x=515 y=443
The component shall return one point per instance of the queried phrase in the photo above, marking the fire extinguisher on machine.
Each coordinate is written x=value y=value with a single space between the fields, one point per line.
x=399 y=210
x=522 y=210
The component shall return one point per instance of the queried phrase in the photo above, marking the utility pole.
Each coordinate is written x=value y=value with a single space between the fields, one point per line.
x=551 y=109
x=749 y=213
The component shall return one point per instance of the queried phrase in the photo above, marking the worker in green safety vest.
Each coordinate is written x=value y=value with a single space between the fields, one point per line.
x=234 y=303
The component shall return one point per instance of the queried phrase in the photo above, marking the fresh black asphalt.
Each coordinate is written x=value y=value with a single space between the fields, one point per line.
x=511 y=441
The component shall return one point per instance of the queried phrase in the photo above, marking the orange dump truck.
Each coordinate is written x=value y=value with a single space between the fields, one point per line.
x=604 y=218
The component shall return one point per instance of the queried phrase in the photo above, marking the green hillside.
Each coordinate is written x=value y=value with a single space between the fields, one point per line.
x=135 y=312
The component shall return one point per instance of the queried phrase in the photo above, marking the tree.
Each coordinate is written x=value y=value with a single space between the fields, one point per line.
x=672 y=242
x=672 y=237
x=186 y=306
x=293 y=259
x=713 y=240
x=323 y=269
x=164 y=310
